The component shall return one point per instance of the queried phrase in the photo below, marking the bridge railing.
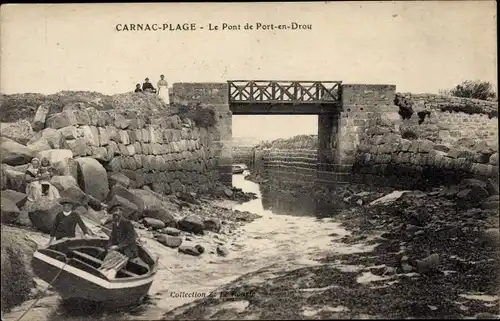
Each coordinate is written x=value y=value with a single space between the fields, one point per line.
x=281 y=91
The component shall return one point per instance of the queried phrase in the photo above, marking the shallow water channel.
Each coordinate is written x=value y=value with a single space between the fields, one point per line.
x=269 y=240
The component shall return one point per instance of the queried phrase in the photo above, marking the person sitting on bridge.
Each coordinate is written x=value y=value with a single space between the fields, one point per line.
x=148 y=87
x=138 y=88
x=66 y=221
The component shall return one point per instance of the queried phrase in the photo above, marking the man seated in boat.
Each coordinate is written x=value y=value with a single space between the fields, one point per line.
x=66 y=221
x=123 y=237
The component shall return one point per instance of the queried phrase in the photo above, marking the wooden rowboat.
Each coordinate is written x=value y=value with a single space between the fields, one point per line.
x=74 y=264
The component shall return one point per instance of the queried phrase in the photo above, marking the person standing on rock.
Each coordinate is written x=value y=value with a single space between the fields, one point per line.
x=66 y=221
x=163 y=89
x=138 y=88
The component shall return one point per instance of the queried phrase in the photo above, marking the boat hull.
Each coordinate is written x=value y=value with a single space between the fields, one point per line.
x=74 y=283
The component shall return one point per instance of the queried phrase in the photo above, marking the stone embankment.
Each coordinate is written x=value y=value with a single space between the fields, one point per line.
x=169 y=154
x=438 y=139
x=384 y=152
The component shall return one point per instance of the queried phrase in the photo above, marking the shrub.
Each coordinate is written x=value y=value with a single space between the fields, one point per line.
x=202 y=117
x=16 y=280
x=476 y=89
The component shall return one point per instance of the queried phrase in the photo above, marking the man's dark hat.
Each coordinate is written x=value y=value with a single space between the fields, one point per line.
x=66 y=200
x=113 y=207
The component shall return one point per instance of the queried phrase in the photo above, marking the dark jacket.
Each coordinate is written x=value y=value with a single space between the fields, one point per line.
x=147 y=85
x=64 y=226
x=124 y=236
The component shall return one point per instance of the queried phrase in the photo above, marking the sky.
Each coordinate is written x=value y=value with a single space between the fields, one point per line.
x=420 y=47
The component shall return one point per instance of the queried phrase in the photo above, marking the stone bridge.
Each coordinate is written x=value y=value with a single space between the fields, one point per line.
x=343 y=110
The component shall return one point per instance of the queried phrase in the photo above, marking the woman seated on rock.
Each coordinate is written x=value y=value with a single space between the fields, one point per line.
x=32 y=176
x=38 y=181
x=46 y=173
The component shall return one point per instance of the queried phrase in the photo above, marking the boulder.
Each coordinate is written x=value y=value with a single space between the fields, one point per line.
x=62 y=119
x=94 y=216
x=228 y=192
x=90 y=135
x=79 y=111
x=9 y=210
x=212 y=224
x=492 y=187
x=188 y=197
x=191 y=223
x=172 y=231
x=79 y=147
x=13 y=153
x=475 y=193
x=38 y=122
x=19 y=131
x=14 y=180
x=17 y=197
x=53 y=136
x=23 y=219
x=153 y=201
x=189 y=249
x=118 y=178
x=222 y=251
x=69 y=132
x=64 y=182
x=92 y=178
x=161 y=214
x=121 y=122
x=490 y=203
x=428 y=264
x=39 y=145
x=104 y=137
x=494 y=159
x=471 y=182
x=76 y=194
x=153 y=223
x=129 y=208
x=200 y=248
x=100 y=153
x=169 y=240
x=130 y=196
x=59 y=159
x=42 y=213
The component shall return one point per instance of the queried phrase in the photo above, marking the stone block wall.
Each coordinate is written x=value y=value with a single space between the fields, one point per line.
x=384 y=153
x=290 y=175
x=340 y=133
x=168 y=154
x=242 y=155
x=286 y=166
x=450 y=120
x=212 y=96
